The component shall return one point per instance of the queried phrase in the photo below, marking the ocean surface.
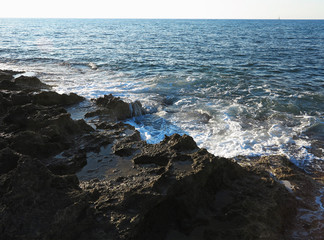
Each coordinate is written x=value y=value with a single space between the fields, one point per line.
x=238 y=87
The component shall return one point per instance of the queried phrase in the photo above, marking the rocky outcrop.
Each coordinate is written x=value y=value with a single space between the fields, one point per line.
x=116 y=109
x=61 y=179
x=35 y=204
x=53 y=98
x=30 y=83
x=179 y=191
x=40 y=131
x=8 y=82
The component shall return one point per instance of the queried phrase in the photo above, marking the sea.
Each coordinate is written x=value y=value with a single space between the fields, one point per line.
x=238 y=87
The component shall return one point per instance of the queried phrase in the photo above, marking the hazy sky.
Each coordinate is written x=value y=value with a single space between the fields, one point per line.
x=219 y=9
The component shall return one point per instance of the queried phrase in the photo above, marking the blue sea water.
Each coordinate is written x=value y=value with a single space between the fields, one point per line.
x=239 y=87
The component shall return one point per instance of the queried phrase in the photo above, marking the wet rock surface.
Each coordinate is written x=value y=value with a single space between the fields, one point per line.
x=62 y=179
x=116 y=109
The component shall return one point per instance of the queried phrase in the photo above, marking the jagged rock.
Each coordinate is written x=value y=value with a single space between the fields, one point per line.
x=6 y=77
x=183 y=192
x=116 y=109
x=128 y=145
x=53 y=98
x=68 y=165
x=98 y=112
x=170 y=190
x=180 y=143
x=165 y=151
x=8 y=82
x=40 y=131
x=35 y=204
x=51 y=136
x=33 y=144
x=30 y=83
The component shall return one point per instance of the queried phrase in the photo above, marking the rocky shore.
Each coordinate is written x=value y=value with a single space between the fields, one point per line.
x=64 y=179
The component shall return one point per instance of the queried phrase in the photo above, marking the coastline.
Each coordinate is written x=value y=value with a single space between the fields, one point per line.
x=62 y=178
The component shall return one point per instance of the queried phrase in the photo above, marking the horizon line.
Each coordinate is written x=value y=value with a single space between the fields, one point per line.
x=148 y=18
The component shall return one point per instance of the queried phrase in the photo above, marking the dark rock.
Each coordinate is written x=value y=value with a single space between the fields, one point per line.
x=8 y=82
x=69 y=165
x=20 y=98
x=130 y=189
x=35 y=144
x=204 y=118
x=42 y=131
x=167 y=101
x=53 y=98
x=116 y=108
x=183 y=192
x=181 y=143
x=8 y=85
x=95 y=113
x=165 y=151
x=114 y=126
x=128 y=145
x=20 y=116
x=35 y=204
x=10 y=72
x=8 y=160
x=5 y=103
x=3 y=143
x=30 y=83
x=6 y=77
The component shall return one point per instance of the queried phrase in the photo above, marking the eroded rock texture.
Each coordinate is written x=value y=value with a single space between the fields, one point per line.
x=62 y=179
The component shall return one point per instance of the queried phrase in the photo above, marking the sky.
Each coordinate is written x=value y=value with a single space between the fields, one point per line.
x=210 y=9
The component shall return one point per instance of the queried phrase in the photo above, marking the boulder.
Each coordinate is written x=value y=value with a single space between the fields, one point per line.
x=116 y=109
x=8 y=82
x=52 y=98
x=30 y=83
x=166 y=151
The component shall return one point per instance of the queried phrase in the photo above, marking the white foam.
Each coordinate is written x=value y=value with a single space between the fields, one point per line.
x=231 y=131
x=25 y=74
